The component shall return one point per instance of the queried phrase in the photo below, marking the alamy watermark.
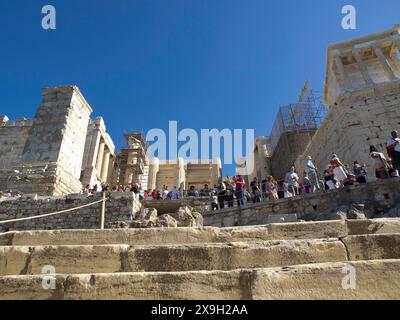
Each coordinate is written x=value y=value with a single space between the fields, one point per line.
x=49 y=20
x=207 y=146
x=349 y=280
x=349 y=21
x=49 y=280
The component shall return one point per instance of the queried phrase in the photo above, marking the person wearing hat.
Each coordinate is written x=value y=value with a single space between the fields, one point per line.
x=312 y=173
x=338 y=170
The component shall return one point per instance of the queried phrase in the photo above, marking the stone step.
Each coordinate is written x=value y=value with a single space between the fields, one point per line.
x=158 y=258
x=375 y=280
x=15 y=260
x=306 y=230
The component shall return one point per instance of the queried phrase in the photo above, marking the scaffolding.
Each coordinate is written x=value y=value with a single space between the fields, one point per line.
x=133 y=157
x=306 y=115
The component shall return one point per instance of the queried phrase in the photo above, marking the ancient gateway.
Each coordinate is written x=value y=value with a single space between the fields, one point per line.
x=62 y=149
x=345 y=246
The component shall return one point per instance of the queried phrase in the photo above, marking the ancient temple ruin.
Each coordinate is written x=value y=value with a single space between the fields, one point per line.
x=62 y=150
x=362 y=92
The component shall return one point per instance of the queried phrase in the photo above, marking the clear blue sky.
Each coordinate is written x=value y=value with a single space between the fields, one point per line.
x=205 y=63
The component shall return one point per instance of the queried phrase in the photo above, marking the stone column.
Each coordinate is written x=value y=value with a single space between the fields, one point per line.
x=104 y=167
x=342 y=72
x=100 y=155
x=362 y=67
x=111 y=169
x=385 y=63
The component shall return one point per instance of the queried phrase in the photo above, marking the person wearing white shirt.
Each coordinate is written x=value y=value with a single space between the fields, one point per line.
x=311 y=170
x=165 y=193
x=292 y=180
x=393 y=149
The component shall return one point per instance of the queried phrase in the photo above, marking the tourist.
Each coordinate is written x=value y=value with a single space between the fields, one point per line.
x=292 y=180
x=360 y=172
x=239 y=187
x=165 y=193
x=221 y=196
x=86 y=189
x=312 y=173
x=330 y=181
x=8 y=194
x=174 y=194
x=214 y=201
x=2 y=197
x=247 y=195
x=281 y=189
x=206 y=191
x=351 y=180
x=229 y=198
x=286 y=190
x=379 y=163
x=307 y=183
x=271 y=188
x=158 y=195
x=95 y=188
x=192 y=191
x=338 y=170
x=255 y=191
x=393 y=149
x=154 y=194
x=265 y=194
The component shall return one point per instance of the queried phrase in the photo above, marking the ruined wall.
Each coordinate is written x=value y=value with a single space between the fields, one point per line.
x=13 y=136
x=378 y=196
x=119 y=207
x=46 y=155
x=288 y=149
x=59 y=131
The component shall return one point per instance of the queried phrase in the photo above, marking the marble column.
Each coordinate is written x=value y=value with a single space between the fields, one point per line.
x=362 y=67
x=104 y=166
x=100 y=155
x=386 y=64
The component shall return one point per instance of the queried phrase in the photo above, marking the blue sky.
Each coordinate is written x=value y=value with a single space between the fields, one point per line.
x=205 y=63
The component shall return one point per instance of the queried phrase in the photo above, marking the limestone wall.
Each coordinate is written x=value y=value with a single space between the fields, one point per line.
x=13 y=136
x=355 y=122
x=119 y=207
x=289 y=147
x=378 y=197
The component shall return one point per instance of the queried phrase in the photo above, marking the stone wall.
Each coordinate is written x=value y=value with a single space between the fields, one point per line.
x=378 y=196
x=119 y=207
x=289 y=147
x=355 y=122
x=13 y=136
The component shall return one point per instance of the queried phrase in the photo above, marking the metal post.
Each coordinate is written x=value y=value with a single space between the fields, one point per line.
x=102 y=210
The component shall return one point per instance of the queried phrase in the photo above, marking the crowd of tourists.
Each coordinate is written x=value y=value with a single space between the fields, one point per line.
x=9 y=194
x=336 y=175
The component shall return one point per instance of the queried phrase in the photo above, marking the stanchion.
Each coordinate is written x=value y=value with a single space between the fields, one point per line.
x=102 y=210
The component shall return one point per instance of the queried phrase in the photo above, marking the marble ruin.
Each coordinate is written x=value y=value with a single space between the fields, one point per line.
x=183 y=174
x=62 y=150
x=362 y=94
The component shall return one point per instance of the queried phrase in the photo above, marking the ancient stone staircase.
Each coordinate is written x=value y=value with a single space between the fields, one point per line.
x=278 y=261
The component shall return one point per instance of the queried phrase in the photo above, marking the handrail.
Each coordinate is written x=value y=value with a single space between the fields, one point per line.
x=53 y=213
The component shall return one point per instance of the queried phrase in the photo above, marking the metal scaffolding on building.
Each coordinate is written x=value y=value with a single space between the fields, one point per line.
x=306 y=115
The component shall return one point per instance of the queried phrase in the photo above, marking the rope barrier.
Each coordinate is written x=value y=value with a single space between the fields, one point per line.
x=53 y=213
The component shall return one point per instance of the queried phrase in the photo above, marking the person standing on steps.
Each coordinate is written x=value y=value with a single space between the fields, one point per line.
x=312 y=173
